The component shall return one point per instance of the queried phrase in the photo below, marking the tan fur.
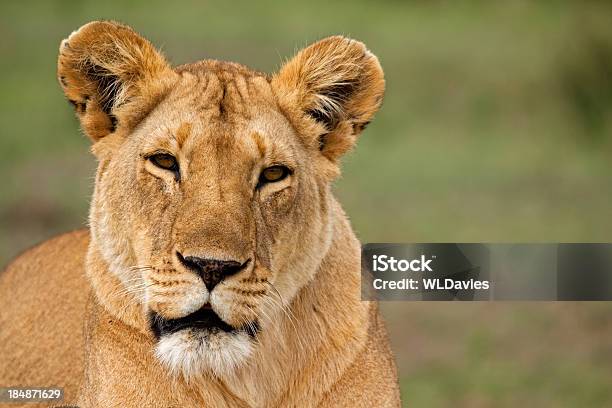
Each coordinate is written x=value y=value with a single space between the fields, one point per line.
x=75 y=310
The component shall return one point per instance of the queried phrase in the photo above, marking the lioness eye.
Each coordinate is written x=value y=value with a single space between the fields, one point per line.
x=273 y=174
x=164 y=161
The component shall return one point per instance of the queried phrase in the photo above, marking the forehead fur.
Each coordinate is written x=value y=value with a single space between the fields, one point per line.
x=214 y=100
x=231 y=89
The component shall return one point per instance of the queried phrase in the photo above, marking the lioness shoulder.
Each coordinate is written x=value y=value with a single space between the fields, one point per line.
x=43 y=293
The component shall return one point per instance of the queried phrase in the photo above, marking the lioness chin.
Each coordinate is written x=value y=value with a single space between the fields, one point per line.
x=218 y=269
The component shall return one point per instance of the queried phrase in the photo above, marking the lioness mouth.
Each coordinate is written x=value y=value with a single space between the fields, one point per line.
x=204 y=319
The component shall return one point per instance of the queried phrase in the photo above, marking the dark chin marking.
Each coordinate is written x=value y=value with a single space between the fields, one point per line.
x=203 y=319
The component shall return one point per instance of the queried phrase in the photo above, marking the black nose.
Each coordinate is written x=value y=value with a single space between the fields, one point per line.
x=212 y=271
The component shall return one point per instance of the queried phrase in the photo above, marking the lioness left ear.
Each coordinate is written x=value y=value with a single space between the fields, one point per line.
x=111 y=75
x=332 y=89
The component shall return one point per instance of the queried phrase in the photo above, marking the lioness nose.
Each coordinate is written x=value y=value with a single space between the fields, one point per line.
x=212 y=271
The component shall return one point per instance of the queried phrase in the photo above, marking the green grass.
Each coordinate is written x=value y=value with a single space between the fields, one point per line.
x=495 y=127
x=503 y=354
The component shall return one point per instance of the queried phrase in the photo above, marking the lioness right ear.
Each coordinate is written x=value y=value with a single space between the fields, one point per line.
x=111 y=75
x=332 y=88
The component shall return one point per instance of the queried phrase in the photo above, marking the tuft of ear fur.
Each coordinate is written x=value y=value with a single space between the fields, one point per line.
x=338 y=84
x=111 y=75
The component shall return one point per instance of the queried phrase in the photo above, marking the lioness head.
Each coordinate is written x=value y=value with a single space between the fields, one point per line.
x=212 y=201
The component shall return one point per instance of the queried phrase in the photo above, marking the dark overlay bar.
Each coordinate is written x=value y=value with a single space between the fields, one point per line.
x=485 y=272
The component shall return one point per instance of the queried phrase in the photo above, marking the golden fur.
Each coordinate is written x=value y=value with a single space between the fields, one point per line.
x=78 y=310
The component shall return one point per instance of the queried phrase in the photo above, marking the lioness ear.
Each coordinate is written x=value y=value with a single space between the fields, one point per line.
x=111 y=75
x=338 y=84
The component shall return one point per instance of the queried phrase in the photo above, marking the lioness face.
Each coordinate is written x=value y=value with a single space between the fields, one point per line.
x=212 y=201
x=213 y=187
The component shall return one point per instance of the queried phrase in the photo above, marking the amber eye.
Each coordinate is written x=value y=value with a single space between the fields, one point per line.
x=164 y=161
x=167 y=162
x=273 y=174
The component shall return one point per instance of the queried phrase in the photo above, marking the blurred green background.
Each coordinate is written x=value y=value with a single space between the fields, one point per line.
x=496 y=126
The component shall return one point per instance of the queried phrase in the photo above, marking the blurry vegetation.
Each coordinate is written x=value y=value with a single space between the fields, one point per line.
x=496 y=126
x=587 y=81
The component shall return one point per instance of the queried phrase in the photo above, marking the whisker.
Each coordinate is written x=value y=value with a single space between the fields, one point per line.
x=141 y=267
x=250 y=324
x=286 y=309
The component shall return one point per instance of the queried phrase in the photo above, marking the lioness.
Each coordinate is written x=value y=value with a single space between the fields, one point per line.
x=218 y=269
